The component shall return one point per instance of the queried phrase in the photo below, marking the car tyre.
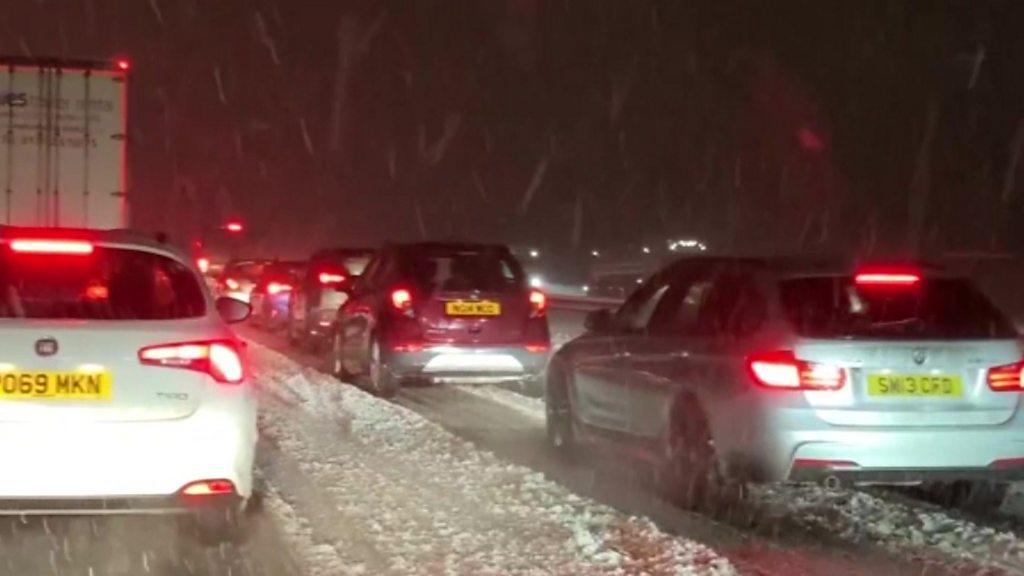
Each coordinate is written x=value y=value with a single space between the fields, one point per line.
x=336 y=358
x=690 y=474
x=219 y=525
x=380 y=379
x=561 y=433
x=977 y=496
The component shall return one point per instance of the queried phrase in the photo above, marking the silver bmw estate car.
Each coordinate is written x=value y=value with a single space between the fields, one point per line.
x=719 y=369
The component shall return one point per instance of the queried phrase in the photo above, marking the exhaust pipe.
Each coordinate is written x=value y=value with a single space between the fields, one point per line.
x=832 y=483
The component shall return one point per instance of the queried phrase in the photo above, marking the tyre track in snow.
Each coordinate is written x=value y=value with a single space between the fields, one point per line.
x=775 y=548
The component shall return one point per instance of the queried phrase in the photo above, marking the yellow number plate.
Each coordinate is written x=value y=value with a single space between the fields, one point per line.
x=480 y=308
x=55 y=385
x=914 y=385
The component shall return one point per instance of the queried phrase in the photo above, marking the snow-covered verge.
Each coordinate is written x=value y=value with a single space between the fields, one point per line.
x=362 y=486
x=904 y=527
x=857 y=516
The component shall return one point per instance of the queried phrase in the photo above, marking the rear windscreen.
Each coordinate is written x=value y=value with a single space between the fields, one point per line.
x=835 y=307
x=465 y=270
x=108 y=284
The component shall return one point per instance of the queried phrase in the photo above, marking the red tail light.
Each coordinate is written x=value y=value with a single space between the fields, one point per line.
x=538 y=303
x=275 y=288
x=221 y=359
x=232 y=284
x=1006 y=378
x=37 y=246
x=209 y=488
x=782 y=370
x=328 y=278
x=203 y=264
x=401 y=300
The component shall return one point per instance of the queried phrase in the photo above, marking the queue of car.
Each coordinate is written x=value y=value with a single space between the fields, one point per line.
x=126 y=387
x=716 y=372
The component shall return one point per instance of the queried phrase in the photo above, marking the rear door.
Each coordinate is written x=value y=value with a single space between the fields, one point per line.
x=603 y=397
x=71 y=327
x=915 y=355
x=471 y=296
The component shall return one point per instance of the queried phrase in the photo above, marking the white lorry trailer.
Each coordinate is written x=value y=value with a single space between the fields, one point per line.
x=63 y=136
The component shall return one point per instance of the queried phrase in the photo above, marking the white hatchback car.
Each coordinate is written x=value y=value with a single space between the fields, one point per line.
x=122 y=389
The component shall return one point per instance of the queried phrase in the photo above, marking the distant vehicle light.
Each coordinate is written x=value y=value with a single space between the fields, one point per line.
x=538 y=303
x=586 y=289
x=275 y=288
x=203 y=264
x=536 y=282
x=595 y=253
x=97 y=292
x=534 y=253
x=327 y=278
x=234 y=227
x=401 y=300
x=646 y=250
x=38 y=246
x=232 y=284
x=123 y=64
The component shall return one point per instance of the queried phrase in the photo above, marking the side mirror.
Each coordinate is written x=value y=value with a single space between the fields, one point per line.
x=599 y=321
x=231 y=310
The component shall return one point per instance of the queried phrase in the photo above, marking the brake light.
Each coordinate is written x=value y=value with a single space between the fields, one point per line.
x=538 y=348
x=203 y=264
x=327 y=278
x=538 y=303
x=36 y=246
x=401 y=300
x=277 y=287
x=1006 y=378
x=232 y=284
x=209 y=488
x=221 y=359
x=782 y=370
x=894 y=277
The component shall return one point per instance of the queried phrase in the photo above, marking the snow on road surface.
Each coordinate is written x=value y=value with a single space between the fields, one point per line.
x=855 y=515
x=363 y=486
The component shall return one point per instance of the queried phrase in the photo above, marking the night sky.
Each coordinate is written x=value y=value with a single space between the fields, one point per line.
x=758 y=126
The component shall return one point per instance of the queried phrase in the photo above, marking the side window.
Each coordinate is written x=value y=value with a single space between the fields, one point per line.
x=634 y=315
x=734 y=307
x=677 y=316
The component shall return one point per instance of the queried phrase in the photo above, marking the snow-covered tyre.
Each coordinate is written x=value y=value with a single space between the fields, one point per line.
x=690 y=474
x=222 y=525
x=380 y=379
x=336 y=359
x=977 y=496
x=558 y=409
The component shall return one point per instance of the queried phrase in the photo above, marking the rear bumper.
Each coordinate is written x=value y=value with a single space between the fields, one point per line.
x=141 y=505
x=469 y=365
x=794 y=445
x=127 y=462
